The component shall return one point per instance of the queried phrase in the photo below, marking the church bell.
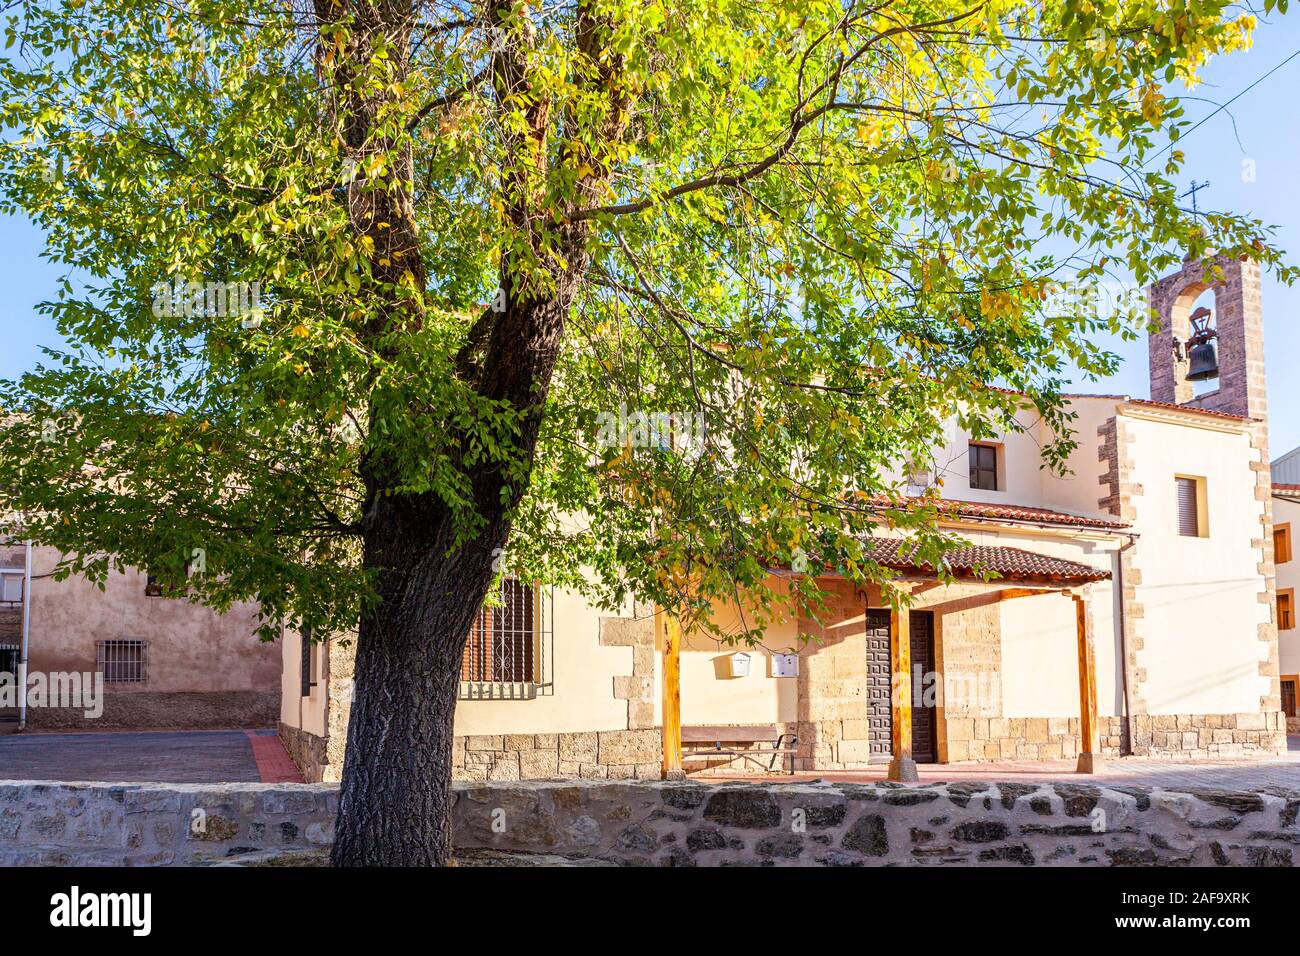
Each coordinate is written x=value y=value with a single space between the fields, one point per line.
x=1203 y=357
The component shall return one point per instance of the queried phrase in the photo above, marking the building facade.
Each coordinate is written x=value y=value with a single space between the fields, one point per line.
x=1132 y=611
x=157 y=661
x=1286 y=524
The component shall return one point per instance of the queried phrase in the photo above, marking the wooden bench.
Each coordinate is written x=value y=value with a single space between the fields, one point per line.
x=722 y=741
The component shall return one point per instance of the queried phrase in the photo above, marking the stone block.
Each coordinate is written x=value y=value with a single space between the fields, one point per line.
x=538 y=764
x=629 y=746
x=579 y=747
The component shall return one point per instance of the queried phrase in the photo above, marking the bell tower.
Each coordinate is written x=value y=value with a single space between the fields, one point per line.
x=1239 y=323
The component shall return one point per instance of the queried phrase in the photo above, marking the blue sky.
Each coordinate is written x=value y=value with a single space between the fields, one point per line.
x=1263 y=127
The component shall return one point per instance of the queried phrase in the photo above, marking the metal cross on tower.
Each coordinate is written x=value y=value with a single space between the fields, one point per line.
x=1192 y=191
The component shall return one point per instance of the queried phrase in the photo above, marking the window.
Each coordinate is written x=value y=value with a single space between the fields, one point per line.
x=1190 y=502
x=9 y=660
x=1282 y=543
x=984 y=467
x=1286 y=609
x=506 y=653
x=11 y=588
x=122 y=662
x=305 y=662
x=1288 y=695
x=501 y=645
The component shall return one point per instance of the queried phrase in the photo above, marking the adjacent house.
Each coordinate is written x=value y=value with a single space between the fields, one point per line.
x=1286 y=523
x=1133 y=611
x=162 y=662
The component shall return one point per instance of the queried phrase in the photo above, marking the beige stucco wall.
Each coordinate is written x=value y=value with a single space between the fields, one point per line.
x=710 y=695
x=1288 y=576
x=191 y=648
x=1201 y=651
x=583 y=671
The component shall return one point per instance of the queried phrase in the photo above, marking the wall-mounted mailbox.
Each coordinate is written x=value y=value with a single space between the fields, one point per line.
x=740 y=664
x=785 y=665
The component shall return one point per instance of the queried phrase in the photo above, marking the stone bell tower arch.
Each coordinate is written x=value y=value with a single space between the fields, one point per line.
x=1239 y=321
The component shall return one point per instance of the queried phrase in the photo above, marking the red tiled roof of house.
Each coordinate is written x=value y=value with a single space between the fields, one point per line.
x=980 y=509
x=1012 y=564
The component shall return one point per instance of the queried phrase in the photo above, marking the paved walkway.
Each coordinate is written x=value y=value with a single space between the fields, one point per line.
x=1247 y=774
x=194 y=756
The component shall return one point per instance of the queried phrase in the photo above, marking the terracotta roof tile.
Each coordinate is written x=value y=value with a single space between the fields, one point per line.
x=950 y=507
x=1012 y=564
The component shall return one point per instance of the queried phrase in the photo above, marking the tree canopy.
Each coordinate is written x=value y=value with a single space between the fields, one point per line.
x=789 y=238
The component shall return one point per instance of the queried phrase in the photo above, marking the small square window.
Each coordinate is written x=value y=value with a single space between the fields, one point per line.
x=122 y=662
x=984 y=467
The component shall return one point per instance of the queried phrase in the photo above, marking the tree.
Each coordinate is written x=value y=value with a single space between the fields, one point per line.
x=625 y=294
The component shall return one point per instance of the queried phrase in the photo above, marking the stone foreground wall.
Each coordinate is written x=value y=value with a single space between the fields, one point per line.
x=676 y=824
x=689 y=824
x=158 y=824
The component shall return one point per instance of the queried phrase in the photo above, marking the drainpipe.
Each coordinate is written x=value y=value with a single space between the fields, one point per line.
x=1123 y=642
x=27 y=619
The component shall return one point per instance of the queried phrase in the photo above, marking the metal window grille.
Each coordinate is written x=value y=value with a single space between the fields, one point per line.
x=305 y=663
x=1188 y=513
x=9 y=660
x=507 y=653
x=123 y=661
x=984 y=467
x=1288 y=698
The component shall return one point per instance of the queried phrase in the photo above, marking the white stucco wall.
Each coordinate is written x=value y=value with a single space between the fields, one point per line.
x=1201 y=648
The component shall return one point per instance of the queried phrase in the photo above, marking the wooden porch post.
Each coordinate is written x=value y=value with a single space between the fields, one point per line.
x=1090 y=759
x=902 y=767
x=672 y=701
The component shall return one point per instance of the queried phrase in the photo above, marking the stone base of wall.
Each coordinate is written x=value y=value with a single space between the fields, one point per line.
x=1293 y=725
x=984 y=824
x=833 y=744
x=1176 y=736
x=1012 y=738
x=308 y=752
x=150 y=710
x=594 y=755
x=1199 y=735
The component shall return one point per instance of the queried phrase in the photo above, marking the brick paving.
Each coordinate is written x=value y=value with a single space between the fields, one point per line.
x=196 y=756
x=1282 y=772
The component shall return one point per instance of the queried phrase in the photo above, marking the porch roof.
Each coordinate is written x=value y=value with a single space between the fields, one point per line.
x=1012 y=564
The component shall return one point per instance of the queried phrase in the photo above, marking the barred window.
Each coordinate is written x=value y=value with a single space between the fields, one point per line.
x=306 y=663
x=122 y=661
x=9 y=660
x=505 y=654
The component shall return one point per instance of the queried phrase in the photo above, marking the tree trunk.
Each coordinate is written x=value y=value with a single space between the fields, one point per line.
x=395 y=801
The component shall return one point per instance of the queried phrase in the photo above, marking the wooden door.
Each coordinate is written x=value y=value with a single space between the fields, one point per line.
x=879 y=720
x=921 y=627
